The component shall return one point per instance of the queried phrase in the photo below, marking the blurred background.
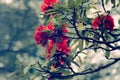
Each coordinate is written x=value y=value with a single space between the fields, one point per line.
x=18 y=20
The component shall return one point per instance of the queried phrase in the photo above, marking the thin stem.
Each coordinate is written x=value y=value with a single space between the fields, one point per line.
x=103 y=5
x=74 y=22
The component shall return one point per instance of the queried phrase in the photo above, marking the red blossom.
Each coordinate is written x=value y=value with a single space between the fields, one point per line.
x=51 y=26
x=64 y=29
x=45 y=7
x=48 y=4
x=106 y=21
x=51 y=2
x=61 y=43
x=49 y=48
x=63 y=47
x=41 y=37
x=55 y=37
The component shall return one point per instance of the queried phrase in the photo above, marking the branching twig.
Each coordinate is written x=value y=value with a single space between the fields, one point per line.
x=90 y=71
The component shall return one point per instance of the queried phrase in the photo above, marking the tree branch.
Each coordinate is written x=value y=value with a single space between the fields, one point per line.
x=90 y=70
x=103 y=5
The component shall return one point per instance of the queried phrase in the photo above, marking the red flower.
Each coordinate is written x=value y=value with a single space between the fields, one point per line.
x=63 y=47
x=51 y=2
x=51 y=26
x=64 y=29
x=45 y=7
x=54 y=37
x=48 y=4
x=41 y=37
x=60 y=40
x=49 y=48
x=106 y=21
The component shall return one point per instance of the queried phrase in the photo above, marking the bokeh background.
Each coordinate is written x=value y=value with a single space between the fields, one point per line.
x=18 y=20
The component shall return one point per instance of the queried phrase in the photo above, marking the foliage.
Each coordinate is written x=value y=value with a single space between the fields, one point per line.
x=74 y=14
x=66 y=32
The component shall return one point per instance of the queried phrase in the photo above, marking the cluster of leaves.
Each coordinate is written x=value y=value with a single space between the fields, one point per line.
x=82 y=34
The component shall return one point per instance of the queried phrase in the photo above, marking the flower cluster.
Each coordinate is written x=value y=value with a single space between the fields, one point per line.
x=48 y=4
x=48 y=36
x=41 y=34
x=53 y=38
x=106 y=21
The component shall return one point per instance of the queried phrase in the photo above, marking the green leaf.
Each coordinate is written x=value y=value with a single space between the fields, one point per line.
x=80 y=44
x=74 y=42
x=76 y=63
x=86 y=4
x=84 y=53
x=71 y=33
x=80 y=60
x=113 y=2
x=115 y=10
x=106 y=1
x=53 y=50
x=26 y=76
x=94 y=7
x=20 y=69
x=119 y=21
x=78 y=2
x=70 y=57
x=118 y=3
x=88 y=26
x=70 y=3
x=86 y=43
x=65 y=71
x=107 y=54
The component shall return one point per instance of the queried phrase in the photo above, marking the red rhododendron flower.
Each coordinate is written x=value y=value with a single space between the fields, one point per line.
x=106 y=21
x=41 y=37
x=51 y=26
x=64 y=29
x=55 y=37
x=48 y=4
x=51 y=2
x=61 y=43
x=48 y=48
x=63 y=47
x=45 y=7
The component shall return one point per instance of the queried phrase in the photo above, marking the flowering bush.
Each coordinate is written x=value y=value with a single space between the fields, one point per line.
x=69 y=25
